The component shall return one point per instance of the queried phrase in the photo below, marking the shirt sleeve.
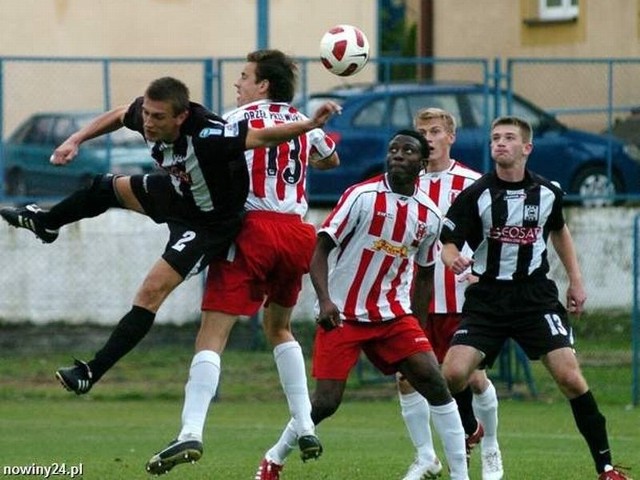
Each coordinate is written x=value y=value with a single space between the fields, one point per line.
x=556 y=217
x=133 y=117
x=430 y=246
x=344 y=218
x=459 y=220
x=223 y=142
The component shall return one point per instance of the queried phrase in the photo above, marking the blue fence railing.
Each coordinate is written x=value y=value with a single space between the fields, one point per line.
x=589 y=94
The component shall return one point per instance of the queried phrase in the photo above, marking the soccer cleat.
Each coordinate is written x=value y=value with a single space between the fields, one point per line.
x=268 y=470
x=78 y=378
x=421 y=470
x=492 y=465
x=613 y=473
x=177 y=452
x=310 y=447
x=28 y=217
x=472 y=440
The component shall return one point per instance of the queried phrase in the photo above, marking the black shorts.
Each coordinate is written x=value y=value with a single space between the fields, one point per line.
x=528 y=312
x=194 y=239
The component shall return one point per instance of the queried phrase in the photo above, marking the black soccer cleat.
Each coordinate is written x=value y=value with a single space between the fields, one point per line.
x=177 y=452
x=310 y=447
x=78 y=378
x=29 y=217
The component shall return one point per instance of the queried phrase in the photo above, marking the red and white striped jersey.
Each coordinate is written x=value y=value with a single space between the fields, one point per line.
x=278 y=174
x=443 y=187
x=379 y=235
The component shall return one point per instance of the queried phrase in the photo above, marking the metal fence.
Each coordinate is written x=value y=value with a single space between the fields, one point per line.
x=585 y=93
x=590 y=94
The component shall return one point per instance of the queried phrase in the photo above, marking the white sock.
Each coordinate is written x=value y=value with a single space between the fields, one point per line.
x=204 y=376
x=285 y=444
x=485 y=406
x=446 y=421
x=415 y=412
x=293 y=378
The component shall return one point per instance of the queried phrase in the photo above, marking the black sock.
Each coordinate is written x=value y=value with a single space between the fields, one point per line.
x=593 y=427
x=464 y=400
x=130 y=330
x=85 y=203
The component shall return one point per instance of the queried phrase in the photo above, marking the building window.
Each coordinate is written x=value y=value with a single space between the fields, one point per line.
x=555 y=10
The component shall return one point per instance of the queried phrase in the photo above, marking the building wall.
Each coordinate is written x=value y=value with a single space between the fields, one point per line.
x=499 y=28
x=163 y=28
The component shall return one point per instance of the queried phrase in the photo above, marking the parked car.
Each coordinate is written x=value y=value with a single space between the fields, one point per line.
x=577 y=160
x=628 y=129
x=26 y=152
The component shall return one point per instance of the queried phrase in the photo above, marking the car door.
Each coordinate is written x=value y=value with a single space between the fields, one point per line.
x=28 y=152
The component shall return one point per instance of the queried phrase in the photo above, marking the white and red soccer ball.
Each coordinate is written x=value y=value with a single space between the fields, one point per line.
x=344 y=50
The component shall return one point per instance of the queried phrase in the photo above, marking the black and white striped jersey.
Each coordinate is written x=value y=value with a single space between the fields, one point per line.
x=206 y=163
x=506 y=224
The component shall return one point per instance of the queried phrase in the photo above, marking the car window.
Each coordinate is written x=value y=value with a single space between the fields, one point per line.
x=448 y=102
x=402 y=109
x=62 y=129
x=518 y=108
x=372 y=115
x=400 y=113
x=123 y=137
x=38 y=132
x=312 y=104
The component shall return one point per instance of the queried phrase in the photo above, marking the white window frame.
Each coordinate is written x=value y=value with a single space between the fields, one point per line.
x=567 y=10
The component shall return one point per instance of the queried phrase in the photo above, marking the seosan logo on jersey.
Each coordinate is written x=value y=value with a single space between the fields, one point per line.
x=515 y=234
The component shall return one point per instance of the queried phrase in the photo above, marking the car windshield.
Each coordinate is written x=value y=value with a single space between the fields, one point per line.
x=122 y=137
x=312 y=104
x=517 y=106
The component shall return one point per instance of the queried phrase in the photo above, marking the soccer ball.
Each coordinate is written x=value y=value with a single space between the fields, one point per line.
x=344 y=50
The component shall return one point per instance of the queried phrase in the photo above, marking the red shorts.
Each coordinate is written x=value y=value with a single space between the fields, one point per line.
x=440 y=329
x=272 y=253
x=385 y=344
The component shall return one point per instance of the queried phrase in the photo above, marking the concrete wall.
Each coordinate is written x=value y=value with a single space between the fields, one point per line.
x=91 y=273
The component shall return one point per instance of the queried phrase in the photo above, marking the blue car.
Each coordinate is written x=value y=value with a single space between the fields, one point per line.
x=371 y=114
x=25 y=155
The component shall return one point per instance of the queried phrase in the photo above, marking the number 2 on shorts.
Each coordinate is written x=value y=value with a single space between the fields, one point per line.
x=186 y=237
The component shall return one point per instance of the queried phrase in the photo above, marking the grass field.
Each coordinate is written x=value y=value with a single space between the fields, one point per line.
x=364 y=440
x=135 y=410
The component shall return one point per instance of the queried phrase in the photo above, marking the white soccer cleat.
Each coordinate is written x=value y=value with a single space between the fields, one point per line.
x=423 y=470
x=492 y=465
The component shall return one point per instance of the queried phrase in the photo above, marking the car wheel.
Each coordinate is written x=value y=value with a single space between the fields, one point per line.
x=15 y=184
x=593 y=181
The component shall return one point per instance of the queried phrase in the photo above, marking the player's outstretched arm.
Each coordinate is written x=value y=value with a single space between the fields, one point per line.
x=105 y=123
x=271 y=136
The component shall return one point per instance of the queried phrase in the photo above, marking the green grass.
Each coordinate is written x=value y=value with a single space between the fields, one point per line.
x=135 y=410
x=364 y=440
